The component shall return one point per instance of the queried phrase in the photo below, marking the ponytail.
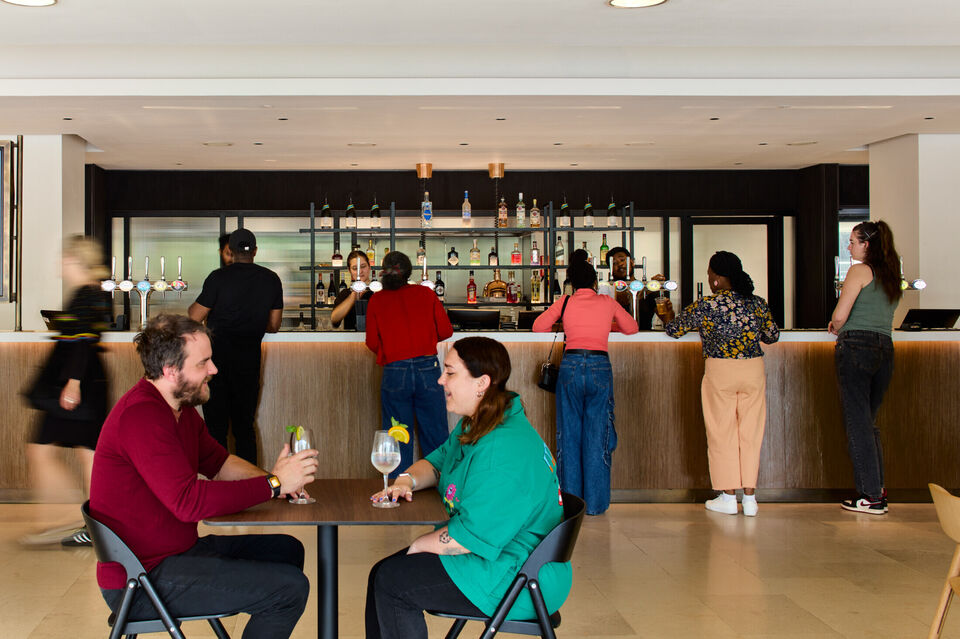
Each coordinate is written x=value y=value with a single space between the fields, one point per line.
x=727 y=264
x=882 y=256
x=742 y=284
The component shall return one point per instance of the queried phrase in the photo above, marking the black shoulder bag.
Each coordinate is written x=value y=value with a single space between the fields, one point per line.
x=550 y=372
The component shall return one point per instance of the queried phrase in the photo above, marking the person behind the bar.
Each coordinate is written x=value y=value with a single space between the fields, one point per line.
x=586 y=437
x=240 y=302
x=146 y=488
x=498 y=483
x=350 y=307
x=404 y=324
x=862 y=321
x=226 y=257
x=732 y=322
x=621 y=268
x=74 y=418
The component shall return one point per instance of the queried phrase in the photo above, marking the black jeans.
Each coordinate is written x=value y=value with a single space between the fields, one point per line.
x=261 y=575
x=401 y=587
x=234 y=394
x=864 y=362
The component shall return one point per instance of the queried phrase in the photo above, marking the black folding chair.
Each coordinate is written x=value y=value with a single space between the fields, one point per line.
x=110 y=548
x=557 y=546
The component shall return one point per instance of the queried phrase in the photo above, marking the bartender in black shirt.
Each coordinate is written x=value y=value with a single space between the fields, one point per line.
x=240 y=302
x=621 y=268
x=350 y=307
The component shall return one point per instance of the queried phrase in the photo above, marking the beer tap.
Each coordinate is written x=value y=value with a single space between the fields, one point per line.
x=126 y=285
x=837 y=284
x=424 y=276
x=161 y=285
x=914 y=285
x=144 y=288
x=643 y=270
x=110 y=285
x=178 y=284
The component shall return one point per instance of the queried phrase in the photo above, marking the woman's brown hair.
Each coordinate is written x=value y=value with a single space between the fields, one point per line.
x=882 y=256
x=485 y=356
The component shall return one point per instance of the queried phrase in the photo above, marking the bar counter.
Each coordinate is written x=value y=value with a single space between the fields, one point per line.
x=330 y=381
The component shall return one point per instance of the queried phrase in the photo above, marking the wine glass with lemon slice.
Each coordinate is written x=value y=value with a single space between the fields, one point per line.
x=300 y=439
x=385 y=457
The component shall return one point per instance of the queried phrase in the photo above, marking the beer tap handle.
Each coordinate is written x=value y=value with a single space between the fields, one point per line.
x=146 y=267
x=113 y=268
x=162 y=267
x=643 y=269
x=129 y=267
x=179 y=267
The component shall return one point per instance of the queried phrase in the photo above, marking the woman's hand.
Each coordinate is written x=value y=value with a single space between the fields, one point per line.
x=400 y=488
x=70 y=395
x=832 y=329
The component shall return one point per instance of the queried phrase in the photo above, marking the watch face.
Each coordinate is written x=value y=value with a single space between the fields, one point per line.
x=274 y=481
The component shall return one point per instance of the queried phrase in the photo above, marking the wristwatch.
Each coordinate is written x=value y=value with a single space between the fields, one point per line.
x=274 y=482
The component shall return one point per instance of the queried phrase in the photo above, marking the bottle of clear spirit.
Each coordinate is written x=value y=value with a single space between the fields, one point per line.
x=535 y=254
x=466 y=211
x=521 y=212
x=426 y=211
x=475 y=255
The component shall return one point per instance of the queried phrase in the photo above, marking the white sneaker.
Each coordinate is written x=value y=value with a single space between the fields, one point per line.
x=750 y=507
x=720 y=505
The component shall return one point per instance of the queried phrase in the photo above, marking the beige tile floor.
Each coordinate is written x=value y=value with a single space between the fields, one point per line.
x=653 y=571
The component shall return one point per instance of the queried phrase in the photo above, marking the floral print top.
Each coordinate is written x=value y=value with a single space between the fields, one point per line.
x=731 y=326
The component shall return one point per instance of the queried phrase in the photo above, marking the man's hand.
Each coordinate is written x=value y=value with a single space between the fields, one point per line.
x=70 y=395
x=295 y=471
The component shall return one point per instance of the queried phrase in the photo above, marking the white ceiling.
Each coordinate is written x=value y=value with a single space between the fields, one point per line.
x=580 y=85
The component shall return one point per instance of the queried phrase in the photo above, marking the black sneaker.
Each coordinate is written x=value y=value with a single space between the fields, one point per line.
x=864 y=504
x=79 y=538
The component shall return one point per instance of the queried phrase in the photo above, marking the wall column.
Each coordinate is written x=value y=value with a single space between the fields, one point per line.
x=914 y=188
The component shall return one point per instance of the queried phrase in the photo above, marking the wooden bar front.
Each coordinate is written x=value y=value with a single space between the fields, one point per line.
x=334 y=388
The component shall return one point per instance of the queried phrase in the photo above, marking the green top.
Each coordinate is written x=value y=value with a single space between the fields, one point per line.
x=502 y=495
x=872 y=311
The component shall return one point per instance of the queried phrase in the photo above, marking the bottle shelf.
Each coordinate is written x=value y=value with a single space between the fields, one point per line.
x=485 y=267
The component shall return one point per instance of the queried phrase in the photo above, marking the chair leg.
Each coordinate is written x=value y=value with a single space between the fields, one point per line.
x=500 y=614
x=173 y=628
x=546 y=628
x=121 y=618
x=945 y=596
x=218 y=629
x=456 y=629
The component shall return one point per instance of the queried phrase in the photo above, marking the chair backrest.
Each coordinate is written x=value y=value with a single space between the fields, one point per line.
x=559 y=543
x=948 y=511
x=108 y=545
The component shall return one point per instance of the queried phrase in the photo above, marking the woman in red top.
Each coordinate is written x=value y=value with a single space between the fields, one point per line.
x=404 y=324
x=586 y=437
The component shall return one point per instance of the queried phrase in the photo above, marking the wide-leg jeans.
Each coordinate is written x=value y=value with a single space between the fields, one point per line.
x=864 y=361
x=409 y=390
x=586 y=437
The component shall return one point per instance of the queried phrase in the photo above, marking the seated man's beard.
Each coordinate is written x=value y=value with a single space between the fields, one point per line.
x=190 y=394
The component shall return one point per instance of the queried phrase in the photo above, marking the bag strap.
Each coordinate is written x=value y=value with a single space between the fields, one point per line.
x=554 y=343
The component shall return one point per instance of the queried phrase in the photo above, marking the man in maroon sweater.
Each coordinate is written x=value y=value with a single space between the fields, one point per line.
x=145 y=487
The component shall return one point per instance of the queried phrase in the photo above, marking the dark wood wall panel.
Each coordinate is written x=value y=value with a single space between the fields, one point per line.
x=816 y=245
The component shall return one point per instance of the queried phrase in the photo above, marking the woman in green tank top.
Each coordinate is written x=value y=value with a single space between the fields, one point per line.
x=862 y=321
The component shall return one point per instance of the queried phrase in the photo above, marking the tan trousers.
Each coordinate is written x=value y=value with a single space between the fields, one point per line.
x=735 y=412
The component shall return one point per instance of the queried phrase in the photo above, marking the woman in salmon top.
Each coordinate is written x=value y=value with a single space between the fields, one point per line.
x=586 y=436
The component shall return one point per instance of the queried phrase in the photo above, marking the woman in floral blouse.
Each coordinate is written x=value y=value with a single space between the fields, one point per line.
x=732 y=323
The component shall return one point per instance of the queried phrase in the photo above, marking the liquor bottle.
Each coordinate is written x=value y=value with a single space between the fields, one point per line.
x=563 y=219
x=439 y=287
x=321 y=290
x=534 y=215
x=375 y=214
x=587 y=214
x=555 y=287
x=331 y=291
x=589 y=253
x=613 y=220
x=495 y=289
x=471 y=290
x=371 y=253
x=466 y=211
x=502 y=214
x=301 y=326
x=515 y=256
x=521 y=212
x=558 y=253
x=535 y=287
x=326 y=215
x=343 y=286
x=421 y=254
x=603 y=252
x=475 y=255
x=350 y=216
x=426 y=211
x=453 y=258
x=337 y=260
x=492 y=258
x=535 y=254
x=513 y=296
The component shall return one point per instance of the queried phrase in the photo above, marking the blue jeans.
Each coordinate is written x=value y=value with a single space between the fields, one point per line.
x=864 y=362
x=258 y=574
x=586 y=437
x=409 y=389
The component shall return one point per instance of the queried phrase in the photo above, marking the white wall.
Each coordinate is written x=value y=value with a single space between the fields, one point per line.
x=53 y=207
x=914 y=188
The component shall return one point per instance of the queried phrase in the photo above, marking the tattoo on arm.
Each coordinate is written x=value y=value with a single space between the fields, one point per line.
x=445 y=538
